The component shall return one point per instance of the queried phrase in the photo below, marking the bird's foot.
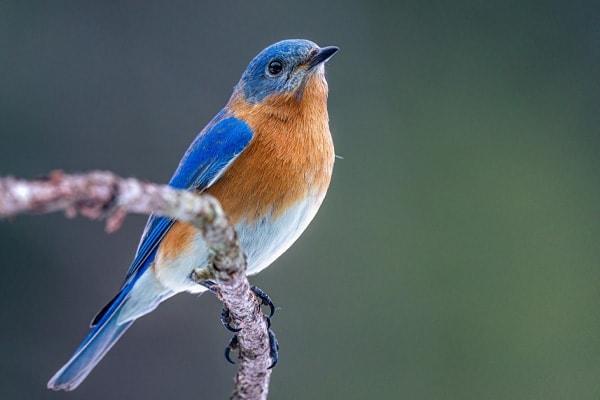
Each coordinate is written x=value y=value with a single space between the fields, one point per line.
x=225 y=315
x=226 y=320
x=232 y=345
x=210 y=285
x=265 y=300
x=273 y=347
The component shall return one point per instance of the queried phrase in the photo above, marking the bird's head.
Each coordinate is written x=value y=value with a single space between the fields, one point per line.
x=283 y=68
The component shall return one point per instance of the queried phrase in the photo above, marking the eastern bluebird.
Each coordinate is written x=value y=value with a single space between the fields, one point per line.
x=267 y=156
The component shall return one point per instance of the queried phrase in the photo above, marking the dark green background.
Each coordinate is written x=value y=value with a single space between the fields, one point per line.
x=455 y=257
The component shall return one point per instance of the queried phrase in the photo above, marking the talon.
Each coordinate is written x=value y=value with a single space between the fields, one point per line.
x=210 y=285
x=265 y=300
x=226 y=321
x=274 y=349
x=233 y=344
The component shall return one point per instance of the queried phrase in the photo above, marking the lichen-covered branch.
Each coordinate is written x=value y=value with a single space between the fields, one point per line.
x=105 y=195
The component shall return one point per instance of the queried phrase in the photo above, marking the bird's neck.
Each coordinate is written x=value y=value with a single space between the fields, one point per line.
x=289 y=120
x=309 y=102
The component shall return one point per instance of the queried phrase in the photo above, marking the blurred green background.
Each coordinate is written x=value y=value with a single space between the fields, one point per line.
x=455 y=257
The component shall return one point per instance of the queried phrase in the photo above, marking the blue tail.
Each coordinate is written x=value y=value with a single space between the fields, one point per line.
x=103 y=335
x=140 y=294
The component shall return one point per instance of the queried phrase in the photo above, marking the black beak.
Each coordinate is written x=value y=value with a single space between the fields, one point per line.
x=323 y=55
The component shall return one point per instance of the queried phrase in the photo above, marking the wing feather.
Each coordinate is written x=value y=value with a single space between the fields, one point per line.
x=209 y=155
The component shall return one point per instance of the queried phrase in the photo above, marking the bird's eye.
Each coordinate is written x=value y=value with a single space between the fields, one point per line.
x=275 y=67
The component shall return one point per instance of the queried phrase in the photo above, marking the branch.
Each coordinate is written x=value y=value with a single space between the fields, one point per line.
x=98 y=195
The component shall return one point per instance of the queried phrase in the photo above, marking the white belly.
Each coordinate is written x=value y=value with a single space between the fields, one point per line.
x=263 y=241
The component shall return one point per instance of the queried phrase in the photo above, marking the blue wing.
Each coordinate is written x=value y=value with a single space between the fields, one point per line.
x=209 y=155
x=212 y=151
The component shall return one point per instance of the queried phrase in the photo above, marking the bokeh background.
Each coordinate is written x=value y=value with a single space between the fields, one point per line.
x=456 y=255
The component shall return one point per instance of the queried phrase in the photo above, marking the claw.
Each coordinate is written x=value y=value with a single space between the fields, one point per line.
x=274 y=349
x=233 y=344
x=265 y=300
x=210 y=285
x=226 y=321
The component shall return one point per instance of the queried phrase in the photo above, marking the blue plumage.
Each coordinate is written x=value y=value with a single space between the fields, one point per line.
x=257 y=82
x=208 y=156
x=211 y=152
x=271 y=191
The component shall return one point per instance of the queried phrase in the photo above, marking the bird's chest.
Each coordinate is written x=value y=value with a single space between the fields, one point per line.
x=274 y=188
x=286 y=163
x=271 y=196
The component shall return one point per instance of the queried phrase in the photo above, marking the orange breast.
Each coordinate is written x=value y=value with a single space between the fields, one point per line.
x=291 y=155
x=177 y=240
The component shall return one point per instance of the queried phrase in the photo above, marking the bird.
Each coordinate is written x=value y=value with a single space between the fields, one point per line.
x=268 y=158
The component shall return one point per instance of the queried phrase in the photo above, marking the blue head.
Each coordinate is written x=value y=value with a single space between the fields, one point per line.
x=282 y=68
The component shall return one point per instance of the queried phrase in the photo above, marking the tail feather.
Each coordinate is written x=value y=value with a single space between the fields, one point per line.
x=136 y=298
x=94 y=347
